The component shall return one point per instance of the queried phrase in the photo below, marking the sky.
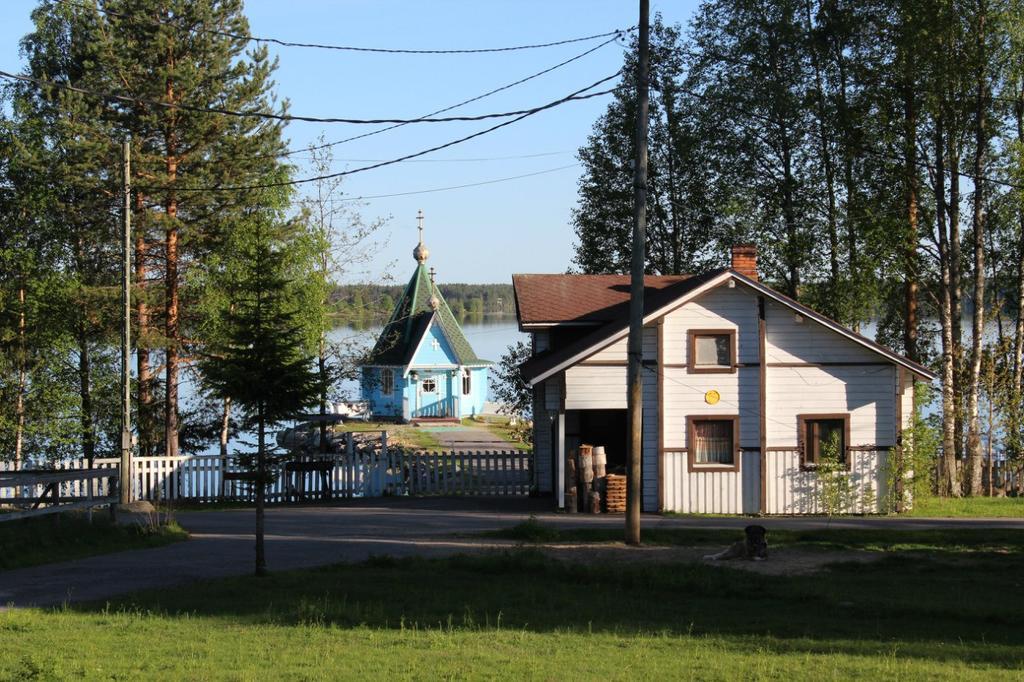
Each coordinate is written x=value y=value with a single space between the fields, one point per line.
x=479 y=234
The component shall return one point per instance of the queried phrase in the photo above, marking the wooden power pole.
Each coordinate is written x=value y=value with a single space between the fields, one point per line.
x=636 y=287
x=126 y=330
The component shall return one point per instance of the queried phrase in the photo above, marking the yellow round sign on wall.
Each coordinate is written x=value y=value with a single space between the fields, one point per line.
x=712 y=397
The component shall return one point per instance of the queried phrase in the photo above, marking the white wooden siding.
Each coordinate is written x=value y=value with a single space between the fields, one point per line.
x=618 y=351
x=685 y=397
x=595 y=387
x=787 y=340
x=906 y=393
x=651 y=440
x=712 y=492
x=794 y=491
x=721 y=308
x=867 y=393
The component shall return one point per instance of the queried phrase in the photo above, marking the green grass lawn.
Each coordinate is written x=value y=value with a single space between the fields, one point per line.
x=61 y=537
x=979 y=507
x=400 y=435
x=919 y=615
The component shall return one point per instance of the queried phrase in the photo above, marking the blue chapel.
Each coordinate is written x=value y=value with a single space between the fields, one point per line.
x=422 y=365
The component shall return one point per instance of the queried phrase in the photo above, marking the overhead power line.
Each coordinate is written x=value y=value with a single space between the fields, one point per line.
x=346 y=48
x=259 y=114
x=454 y=106
x=446 y=189
x=575 y=96
x=327 y=145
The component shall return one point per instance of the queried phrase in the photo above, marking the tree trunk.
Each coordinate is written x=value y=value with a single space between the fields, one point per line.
x=956 y=289
x=142 y=359
x=947 y=484
x=225 y=429
x=322 y=373
x=910 y=291
x=793 y=257
x=261 y=470
x=1018 y=342
x=171 y=303
x=974 y=453
x=19 y=406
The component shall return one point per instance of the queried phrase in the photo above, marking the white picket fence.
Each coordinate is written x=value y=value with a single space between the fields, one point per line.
x=351 y=474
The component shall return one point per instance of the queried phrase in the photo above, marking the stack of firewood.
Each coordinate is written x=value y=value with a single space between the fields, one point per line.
x=615 y=493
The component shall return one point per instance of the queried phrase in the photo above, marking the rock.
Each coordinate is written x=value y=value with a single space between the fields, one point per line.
x=138 y=513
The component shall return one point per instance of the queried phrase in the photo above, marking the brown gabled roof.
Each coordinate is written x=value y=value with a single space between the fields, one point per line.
x=656 y=300
x=579 y=299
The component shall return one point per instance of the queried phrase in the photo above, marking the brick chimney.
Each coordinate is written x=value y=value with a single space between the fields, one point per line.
x=744 y=260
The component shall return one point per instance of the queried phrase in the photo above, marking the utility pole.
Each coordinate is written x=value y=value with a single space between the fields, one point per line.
x=635 y=348
x=126 y=330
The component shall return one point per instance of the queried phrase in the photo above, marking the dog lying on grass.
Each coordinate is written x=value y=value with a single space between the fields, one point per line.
x=754 y=546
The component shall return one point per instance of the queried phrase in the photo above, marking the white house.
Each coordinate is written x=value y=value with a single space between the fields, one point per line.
x=742 y=386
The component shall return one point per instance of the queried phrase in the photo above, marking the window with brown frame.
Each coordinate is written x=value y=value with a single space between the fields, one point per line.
x=818 y=432
x=712 y=350
x=387 y=381
x=467 y=382
x=714 y=442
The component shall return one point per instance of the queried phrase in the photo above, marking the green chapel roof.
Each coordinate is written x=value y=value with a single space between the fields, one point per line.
x=411 y=320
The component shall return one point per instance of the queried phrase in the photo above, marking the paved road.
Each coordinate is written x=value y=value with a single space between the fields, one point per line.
x=222 y=542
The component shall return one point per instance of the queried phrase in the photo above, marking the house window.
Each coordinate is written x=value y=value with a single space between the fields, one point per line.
x=428 y=386
x=387 y=381
x=712 y=350
x=714 y=442
x=467 y=382
x=821 y=432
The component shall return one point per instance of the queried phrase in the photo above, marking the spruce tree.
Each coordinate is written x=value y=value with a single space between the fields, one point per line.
x=261 y=359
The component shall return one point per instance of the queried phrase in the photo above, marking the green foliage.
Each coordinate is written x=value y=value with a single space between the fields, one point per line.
x=682 y=232
x=912 y=464
x=262 y=360
x=64 y=537
x=512 y=394
x=835 y=490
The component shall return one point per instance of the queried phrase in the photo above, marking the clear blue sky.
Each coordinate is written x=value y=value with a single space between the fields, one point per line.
x=478 y=234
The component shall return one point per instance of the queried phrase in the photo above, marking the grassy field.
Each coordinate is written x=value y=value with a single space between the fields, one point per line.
x=950 y=614
x=978 y=507
x=61 y=537
x=401 y=435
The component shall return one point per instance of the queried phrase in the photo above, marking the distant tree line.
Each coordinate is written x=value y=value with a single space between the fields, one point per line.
x=874 y=153
x=368 y=304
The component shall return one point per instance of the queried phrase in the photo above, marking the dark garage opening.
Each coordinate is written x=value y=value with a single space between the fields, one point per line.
x=599 y=427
